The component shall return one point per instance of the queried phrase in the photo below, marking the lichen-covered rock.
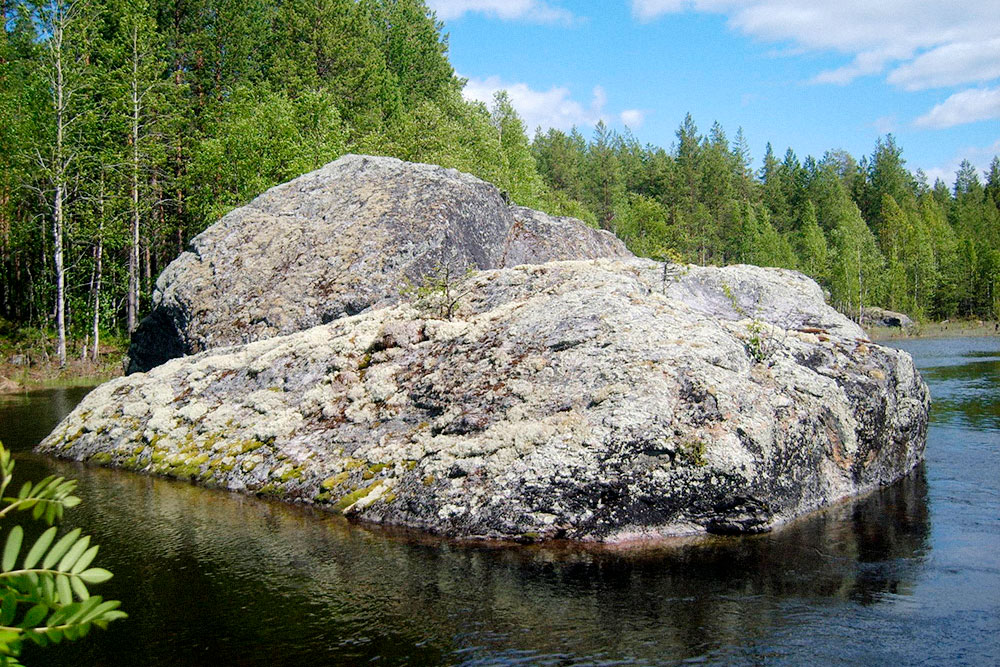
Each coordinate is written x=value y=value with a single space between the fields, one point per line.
x=879 y=317
x=596 y=400
x=337 y=241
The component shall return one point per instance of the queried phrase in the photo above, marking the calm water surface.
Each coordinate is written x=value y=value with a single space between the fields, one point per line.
x=909 y=575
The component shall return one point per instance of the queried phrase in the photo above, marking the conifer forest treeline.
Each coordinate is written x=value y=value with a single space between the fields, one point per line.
x=128 y=126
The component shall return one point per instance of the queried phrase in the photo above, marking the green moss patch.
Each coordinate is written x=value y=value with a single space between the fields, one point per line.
x=351 y=498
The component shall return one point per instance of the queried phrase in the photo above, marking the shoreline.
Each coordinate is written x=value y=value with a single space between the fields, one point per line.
x=946 y=329
x=28 y=361
x=17 y=379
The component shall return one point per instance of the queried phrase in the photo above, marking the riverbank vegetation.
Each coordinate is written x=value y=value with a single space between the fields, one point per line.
x=131 y=125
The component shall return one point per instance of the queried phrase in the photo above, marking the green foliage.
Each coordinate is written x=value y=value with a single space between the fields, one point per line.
x=518 y=174
x=261 y=139
x=603 y=175
x=856 y=277
x=762 y=339
x=179 y=111
x=642 y=223
x=761 y=342
x=813 y=248
x=761 y=243
x=440 y=291
x=44 y=595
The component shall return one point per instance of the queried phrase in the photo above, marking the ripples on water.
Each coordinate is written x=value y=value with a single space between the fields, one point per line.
x=907 y=575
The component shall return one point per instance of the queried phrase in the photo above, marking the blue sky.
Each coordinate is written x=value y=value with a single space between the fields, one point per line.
x=812 y=75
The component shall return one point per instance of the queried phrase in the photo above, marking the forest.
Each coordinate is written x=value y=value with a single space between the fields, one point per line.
x=128 y=126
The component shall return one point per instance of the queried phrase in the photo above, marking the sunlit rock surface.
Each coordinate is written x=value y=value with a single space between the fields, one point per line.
x=600 y=400
x=338 y=241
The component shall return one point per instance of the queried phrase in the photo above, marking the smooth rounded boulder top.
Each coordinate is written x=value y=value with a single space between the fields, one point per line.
x=356 y=234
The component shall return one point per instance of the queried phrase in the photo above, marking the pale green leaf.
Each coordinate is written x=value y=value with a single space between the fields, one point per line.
x=79 y=588
x=60 y=549
x=39 y=548
x=95 y=575
x=74 y=553
x=64 y=589
x=85 y=560
x=12 y=548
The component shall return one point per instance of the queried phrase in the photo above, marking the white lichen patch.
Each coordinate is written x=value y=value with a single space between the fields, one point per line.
x=163 y=420
x=380 y=383
x=193 y=411
x=136 y=409
x=277 y=424
x=222 y=417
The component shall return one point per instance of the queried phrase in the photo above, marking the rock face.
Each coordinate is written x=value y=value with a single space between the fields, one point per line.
x=338 y=241
x=596 y=400
x=878 y=317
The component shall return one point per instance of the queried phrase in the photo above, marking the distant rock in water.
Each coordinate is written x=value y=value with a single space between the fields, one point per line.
x=338 y=241
x=595 y=400
x=879 y=317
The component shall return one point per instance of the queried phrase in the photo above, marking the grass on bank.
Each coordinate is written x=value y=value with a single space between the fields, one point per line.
x=945 y=329
x=28 y=360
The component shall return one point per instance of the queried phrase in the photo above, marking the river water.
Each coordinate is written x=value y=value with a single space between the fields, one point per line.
x=908 y=575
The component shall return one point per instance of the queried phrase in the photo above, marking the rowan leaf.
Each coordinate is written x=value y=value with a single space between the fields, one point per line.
x=12 y=548
x=95 y=575
x=60 y=549
x=41 y=545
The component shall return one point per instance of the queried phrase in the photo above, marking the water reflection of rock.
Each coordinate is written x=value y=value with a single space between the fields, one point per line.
x=27 y=418
x=213 y=572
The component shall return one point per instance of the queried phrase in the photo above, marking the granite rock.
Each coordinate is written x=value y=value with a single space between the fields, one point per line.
x=602 y=400
x=338 y=241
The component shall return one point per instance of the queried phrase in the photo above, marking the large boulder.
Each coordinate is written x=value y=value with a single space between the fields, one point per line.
x=597 y=400
x=335 y=242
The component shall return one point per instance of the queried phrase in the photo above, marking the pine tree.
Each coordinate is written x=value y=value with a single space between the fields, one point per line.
x=887 y=175
x=773 y=188
x=604 y=175
x=993 y=181
x=416 y=52
x=560 y=159
x=943 y=302
x=334 y=45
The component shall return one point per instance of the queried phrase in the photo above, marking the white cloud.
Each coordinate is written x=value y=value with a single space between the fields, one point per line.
x=538 y=11
x=968 y=106
x=554 y=107
x=864 y=64
x=633 y=118
x=647 y=10
x=929 y=43
x=951 y=64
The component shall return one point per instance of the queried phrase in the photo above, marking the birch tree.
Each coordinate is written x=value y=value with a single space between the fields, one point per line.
x=136 y=50
x=62 y=27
